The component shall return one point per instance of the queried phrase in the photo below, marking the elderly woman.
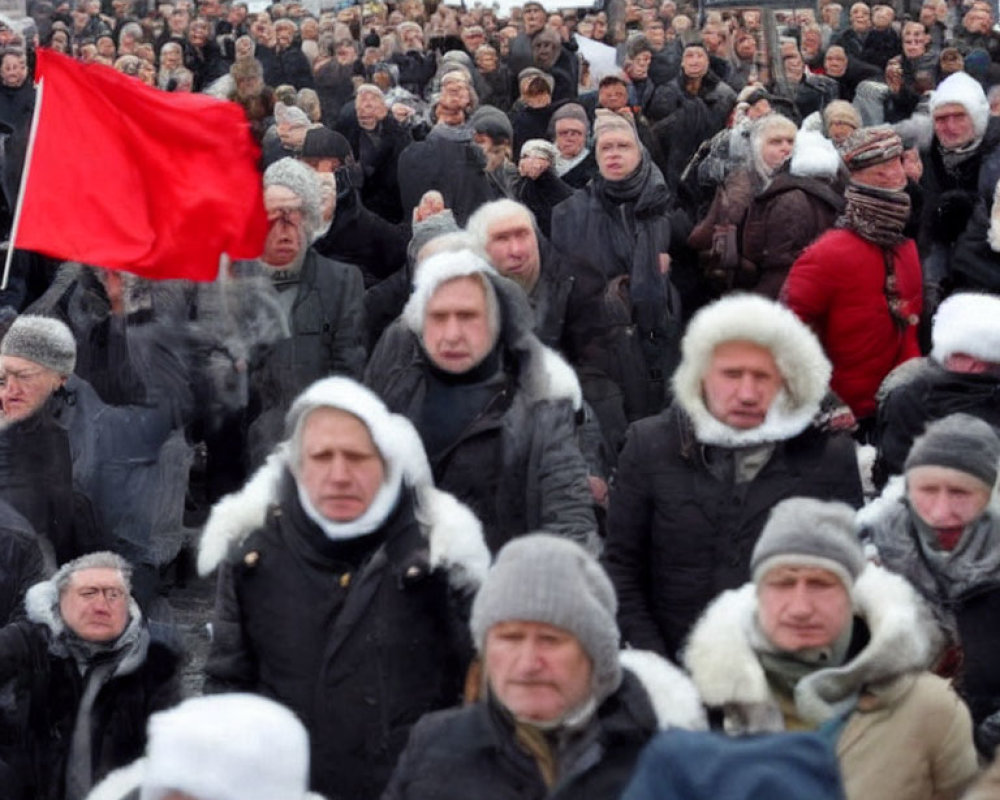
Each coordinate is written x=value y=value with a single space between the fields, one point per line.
x=570 y=132
x=718 y=237
x=619 y=223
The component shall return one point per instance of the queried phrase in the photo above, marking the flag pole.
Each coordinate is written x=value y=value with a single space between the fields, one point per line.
x=24 y=182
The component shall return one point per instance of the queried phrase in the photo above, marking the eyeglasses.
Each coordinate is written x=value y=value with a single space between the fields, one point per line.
x=22 y=377
x=112 y=594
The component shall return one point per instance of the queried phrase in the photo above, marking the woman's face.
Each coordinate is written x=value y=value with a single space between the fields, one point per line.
x=776 y=147
x=618 y=155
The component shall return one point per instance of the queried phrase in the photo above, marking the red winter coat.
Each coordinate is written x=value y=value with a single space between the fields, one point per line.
x=837 y=287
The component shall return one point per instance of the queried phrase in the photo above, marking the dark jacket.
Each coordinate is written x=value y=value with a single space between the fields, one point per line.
x=580 y=175
x=781 y=222
x=472 y=752
x=359 y=638
x=21 y=562
x=289 y=65
x=416 y=68
x=678 y=534
x=326 y=337
x=975 y=265
x=35 y=734
x=379 y=158
x=517 y=464
x=625 y=241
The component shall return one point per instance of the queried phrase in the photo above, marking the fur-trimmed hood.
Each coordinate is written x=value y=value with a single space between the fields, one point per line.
x=797 y=352
x=671 y=693
x=814 y=156
x=542 y=374
x=454 y=534
x=727 y=671
x=967 y=323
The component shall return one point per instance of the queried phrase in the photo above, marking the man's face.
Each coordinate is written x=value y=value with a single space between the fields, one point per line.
x=656 y=35
x=694 y=62
x=456 y=331
x=741 y=383
x=945 y=498
x=370 y=109
x=473 y=38
x=24 y=387
x=914 y=41
x=340 y=469
x=839 y=131
x=571 y=135
x=171 y=56
x=712 y=39
x=802 y=607
x=346 y=55
x=794 y=67
x=746 y=47
x=953 y=126
x=861 y=17
x=812 y=42
x=13 y=71
x=751 y=20
x=835 y=63
x=284 y=35
x=887 y=175
x=928 y=16
x=512 y=247
x=612 y=96
x=106 y=47
x=545 y=49
x=600 y=29
x=95 y=604
x=486 y=60
x=617 y=155
x=538 y=672
x=639 y=66
x=534 y=19
x=286 y=236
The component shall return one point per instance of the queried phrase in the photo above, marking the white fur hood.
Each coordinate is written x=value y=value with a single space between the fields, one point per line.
x=797 y=352
x=671 y=693
x=727 y=672
x=454 y=534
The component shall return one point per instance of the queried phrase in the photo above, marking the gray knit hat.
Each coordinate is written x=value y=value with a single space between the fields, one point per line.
x=804 y=532
x=570 y=111
x=545 y=578
x=44 y=340
x=959 y=441
x=491 y=121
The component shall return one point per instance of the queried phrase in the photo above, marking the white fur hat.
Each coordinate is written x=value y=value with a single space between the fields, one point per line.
x=967 y=323
x=432 y=273
x=227 y=747
x=962 y=88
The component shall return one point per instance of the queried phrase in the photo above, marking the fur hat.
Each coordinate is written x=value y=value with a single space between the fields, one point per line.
x=814 y=156
x=227 y=747
x=867 y=147
x=432 y=273
x=967 y=92
x=43 y=340
x=805 y=532
x=958 y=441
x=796 y=351
x=491 y=121
x=550 y=579
x=540 y=148
x=967 y=323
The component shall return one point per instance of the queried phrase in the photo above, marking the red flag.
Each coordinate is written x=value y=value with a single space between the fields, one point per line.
x=124 y=176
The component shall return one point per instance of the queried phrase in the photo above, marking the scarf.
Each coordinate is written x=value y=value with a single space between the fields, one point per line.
x=629 y=188
x=564 y=165
x=876 y=215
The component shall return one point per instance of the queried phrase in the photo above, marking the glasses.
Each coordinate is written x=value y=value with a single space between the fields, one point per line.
x=112 y=594
x=22 y=377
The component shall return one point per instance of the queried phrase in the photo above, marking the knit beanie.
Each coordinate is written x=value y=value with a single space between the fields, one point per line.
x=291 y=174
x=841 y=111
x=867 y=147
x=227 y=747
x=544 y=578
x=967 y=92
x=571 y=111
x=804 y=532
x=492 y=122
x=43 y=340
x=540 y=148
x=958 y=441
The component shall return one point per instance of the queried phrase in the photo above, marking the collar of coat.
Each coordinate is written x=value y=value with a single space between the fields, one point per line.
x=903 y=641
x=454 y=534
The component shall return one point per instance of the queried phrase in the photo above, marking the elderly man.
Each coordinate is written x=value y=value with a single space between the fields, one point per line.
x=562 y=714
x=962 y=373
x=866 y=317
x=84 y=675
x=695 y=483
x=495 y=407
x=940 y=529
x=322 y=300
x=819 y=639
x=961 y=165
x=344 y=578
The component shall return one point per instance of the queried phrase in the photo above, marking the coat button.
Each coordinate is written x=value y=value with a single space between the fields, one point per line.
x=345 y=580
x=251 y=558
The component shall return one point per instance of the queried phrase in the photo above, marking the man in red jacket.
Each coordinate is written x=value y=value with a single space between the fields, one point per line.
x=859 y=285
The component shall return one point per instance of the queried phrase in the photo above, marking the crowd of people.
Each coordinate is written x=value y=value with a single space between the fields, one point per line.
x=613 y=385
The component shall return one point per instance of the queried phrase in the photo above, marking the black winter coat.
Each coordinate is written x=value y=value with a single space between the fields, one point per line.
x=380 y=190
x=472 y=753
x=359 y=642
x=35 y=737
x=285 y=66
x=677 y=535
x=21 y=563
